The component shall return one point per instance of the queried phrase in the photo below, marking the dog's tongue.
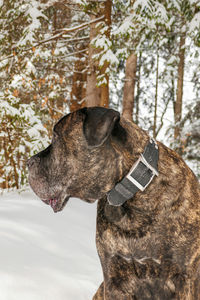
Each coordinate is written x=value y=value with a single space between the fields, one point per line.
x=56 y=204
x=53 y=202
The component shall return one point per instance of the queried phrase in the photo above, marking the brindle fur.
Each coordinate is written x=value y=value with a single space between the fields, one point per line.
x=150 y=247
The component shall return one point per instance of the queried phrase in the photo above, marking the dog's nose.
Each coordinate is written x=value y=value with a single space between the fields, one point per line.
x=34 y=160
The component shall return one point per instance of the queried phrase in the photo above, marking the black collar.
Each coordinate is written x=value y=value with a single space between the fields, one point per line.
x=138 y=178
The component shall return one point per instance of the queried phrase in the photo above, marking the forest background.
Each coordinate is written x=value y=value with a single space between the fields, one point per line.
x=140 y=57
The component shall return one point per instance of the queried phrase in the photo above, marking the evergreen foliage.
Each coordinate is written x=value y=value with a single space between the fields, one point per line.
x=44 y=48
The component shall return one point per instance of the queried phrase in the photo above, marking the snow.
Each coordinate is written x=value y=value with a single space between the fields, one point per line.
x=5 y=106
x=109 y=56
x=47 y=256
x=101 y=42
x=16 y=82
x=125 y=26
x=30 y=68
x=33 y=11
x=144 y=4
x=33 y=133
x=195 y=23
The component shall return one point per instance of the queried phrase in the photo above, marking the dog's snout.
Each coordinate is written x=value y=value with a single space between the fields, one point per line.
x=35 y=160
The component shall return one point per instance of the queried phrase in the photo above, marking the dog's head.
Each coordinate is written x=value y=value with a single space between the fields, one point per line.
x=81 y=160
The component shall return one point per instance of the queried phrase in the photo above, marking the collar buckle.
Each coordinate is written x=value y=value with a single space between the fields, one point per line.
x=130 y=175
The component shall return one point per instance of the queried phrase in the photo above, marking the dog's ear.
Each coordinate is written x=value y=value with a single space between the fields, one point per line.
x=98 y=124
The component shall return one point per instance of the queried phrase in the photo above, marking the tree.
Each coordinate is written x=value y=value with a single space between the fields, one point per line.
x=129 y=86
x=179 y=95
x=97 y=91
x=57 y=56
x=21 y=132
x=78 y=90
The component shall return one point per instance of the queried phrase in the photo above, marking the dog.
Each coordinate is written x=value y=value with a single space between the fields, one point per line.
x=148 y=214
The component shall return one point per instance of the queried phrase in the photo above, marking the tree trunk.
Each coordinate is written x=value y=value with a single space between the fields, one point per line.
x=98 y=95
x=179 y=93
x=156 y=99
x=93 y=93
x=78 y=92
x=129 y=86
x=105 y=86
x=137 y=98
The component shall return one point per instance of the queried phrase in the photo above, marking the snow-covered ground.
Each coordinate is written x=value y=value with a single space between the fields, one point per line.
x=47 y=256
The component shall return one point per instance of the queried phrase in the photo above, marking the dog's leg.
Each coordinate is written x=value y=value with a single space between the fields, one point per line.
x=100 y=293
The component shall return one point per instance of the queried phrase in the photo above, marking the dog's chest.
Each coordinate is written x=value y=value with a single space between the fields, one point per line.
x=126 y=256
x=131 y=240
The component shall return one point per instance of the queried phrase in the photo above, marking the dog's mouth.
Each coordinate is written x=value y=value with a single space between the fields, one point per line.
x=57 y=204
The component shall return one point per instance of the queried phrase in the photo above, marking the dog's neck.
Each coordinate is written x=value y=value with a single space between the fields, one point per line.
x=139 y=176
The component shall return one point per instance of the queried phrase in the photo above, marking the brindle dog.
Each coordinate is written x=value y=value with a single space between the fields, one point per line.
x=149 y=247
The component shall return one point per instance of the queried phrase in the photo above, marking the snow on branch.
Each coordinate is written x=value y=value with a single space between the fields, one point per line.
x=58 y=35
